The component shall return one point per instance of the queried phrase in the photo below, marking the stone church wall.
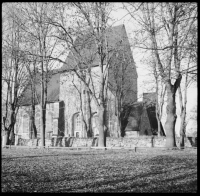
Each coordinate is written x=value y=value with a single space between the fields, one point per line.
x=144 y=141
x=69 y=95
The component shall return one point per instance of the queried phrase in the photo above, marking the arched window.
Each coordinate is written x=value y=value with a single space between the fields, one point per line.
x=78 y=122
x=25 y=123
x=77 y=125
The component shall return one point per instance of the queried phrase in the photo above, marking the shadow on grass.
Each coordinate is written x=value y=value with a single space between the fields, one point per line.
x=136 y=182
x=137 y=185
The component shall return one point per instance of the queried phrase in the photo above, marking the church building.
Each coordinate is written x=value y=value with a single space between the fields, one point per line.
x=70 y=103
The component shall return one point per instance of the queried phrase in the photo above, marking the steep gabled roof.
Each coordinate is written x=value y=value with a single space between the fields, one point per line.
x=117 y=39
x=119 y=52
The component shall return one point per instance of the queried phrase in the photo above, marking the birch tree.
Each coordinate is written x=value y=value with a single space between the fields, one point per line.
x=160 y=94
x=189 y=74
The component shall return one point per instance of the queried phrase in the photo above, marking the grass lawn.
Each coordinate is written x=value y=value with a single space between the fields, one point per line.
x=36 y=170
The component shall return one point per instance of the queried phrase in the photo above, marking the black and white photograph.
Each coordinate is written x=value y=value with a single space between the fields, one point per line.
x=99 y=97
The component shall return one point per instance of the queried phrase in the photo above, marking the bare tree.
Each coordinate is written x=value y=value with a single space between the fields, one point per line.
x=95 y=15
x=90 y=30
x=85 y=105
x=183 y=102
x=14 y=74
x=156 y=85
x=160 y=94
x=189 y=55
x=123 y=84
x=160 y=28
x=33 y=73
x=39 y=44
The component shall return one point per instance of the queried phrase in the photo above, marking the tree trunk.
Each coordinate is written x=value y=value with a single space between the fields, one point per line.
x=89 y=128
x=157 y=118
x=33 y=131
x=117 y=113
x=101 y=113
x=171 y=117
x=183 y=110
x=42 y=136
x=159 y=127
x=157 y=104
x=182 y=128
x=10 y=130
x=30 y=126
x=42 y=114
x=89 y=115
x=85 y=111
x=119 y=127
x=33 y=125
x=102 y=107
x=10 y=134
x=85 y=124
x=7 y=133
x=43 y=94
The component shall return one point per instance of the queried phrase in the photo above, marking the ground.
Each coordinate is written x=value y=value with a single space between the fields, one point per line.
x=36 y=170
